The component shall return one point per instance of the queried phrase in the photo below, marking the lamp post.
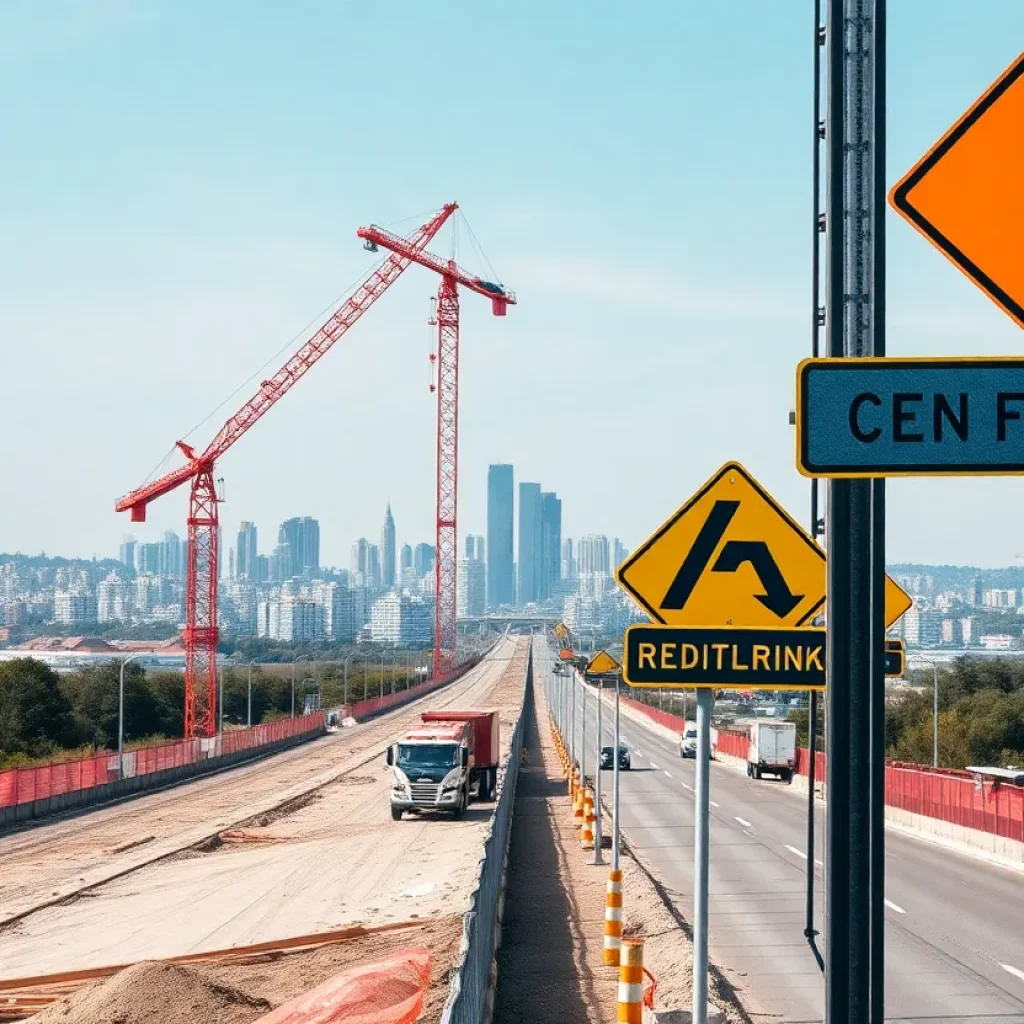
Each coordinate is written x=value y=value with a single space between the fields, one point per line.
x=294 y=663
x=248 y=714
x=120 y=714
x=316 y=684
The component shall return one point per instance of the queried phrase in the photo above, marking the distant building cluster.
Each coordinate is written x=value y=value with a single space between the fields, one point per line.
x=951 y=612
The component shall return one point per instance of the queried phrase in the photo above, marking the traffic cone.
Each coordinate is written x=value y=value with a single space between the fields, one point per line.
x=613 y=919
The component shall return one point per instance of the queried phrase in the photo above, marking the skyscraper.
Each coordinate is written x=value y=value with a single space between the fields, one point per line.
x=423 y=558
x=245 y=560
x=531 y=520
x=592 y=554
x=568 y=560
x=127 y=555
x=501 y=581
x=387 y=547
x=619 y=553
x=299 y=541
x=406 y=562
x=551 y=544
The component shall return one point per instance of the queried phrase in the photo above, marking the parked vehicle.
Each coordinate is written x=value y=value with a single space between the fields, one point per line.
x=688 y=740
x=772 y=749
x=446 y=762
x=607 y=754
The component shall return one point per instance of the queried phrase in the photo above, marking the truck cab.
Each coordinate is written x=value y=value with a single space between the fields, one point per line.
x=445 y=762
x=431 y=767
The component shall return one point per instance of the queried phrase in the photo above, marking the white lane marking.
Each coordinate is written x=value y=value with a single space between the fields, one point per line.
x=743 y=821
x=799 y=853
x=654 y=766
x=669 y=774
x=892 y=906
x=636 y=751
x=685 y=786
x=713 y=804
x=1015 y=971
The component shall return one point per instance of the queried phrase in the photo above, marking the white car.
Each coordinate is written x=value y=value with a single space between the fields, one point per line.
x=688 y=742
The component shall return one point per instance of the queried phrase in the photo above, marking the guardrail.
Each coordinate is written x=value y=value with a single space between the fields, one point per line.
x=471 y=1000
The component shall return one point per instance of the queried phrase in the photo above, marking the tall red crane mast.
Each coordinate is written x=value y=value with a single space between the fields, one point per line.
x=200 y=633
x=446 y=319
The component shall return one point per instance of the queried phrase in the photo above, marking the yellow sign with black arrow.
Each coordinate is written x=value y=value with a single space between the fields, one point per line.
x=601 y=664
x=732 y=556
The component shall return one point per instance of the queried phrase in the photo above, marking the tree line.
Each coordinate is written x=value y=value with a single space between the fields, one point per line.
x=46 y=714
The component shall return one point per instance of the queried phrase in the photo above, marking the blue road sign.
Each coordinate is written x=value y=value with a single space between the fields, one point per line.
x=907 y=417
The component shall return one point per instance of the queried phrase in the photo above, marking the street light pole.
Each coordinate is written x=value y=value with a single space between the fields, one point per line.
x=294 y=663
x=120 y=714
x=248 y=716
x=935 y=715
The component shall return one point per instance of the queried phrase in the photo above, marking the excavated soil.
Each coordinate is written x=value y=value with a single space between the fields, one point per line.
x=233 y=992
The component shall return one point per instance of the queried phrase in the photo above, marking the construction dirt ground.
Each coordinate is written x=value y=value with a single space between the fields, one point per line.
x=550 y=961
x=300 y=843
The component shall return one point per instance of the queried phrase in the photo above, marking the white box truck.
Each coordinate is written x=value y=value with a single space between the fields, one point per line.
x=772 y=749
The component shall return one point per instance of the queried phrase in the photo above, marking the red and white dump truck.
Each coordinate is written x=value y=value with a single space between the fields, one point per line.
x=448 y=760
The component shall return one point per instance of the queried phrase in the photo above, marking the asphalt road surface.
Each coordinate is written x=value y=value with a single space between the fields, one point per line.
x=954 y=924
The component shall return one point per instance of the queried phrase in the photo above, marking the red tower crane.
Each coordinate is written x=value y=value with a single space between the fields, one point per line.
x=200 y=634
x=446 y=319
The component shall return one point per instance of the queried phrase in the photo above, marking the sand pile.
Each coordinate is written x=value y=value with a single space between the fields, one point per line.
x=157 y=993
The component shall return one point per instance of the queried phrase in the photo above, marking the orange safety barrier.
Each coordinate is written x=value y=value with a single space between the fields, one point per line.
x=25 y=785
x=386 y=991
x=375 y=705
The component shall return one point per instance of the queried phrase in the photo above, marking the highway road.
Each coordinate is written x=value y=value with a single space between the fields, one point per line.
x=954 y=931
x=330 y=858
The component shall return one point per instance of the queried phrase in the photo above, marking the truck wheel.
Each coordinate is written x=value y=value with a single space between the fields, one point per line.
x=757 y=773
x=750 y=771
x=396 y=813
x=787 y=777
x=460 y=810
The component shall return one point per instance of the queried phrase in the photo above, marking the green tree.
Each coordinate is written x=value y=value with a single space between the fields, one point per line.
x=94 y=695
x=35 y=716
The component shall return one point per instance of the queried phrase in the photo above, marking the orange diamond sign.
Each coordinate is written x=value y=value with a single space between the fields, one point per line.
x=965 y=195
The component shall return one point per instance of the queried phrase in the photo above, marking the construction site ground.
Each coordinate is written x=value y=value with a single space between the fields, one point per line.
x=550 y=961
x=297 y=844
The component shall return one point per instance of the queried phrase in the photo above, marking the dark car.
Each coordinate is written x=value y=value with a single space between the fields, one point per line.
x=606 y=757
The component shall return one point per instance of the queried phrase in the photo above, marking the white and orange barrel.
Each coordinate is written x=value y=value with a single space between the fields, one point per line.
x=587 y=835
x=613 y=919
x=631 y=981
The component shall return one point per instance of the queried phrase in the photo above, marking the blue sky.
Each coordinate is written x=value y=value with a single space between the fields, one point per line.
x=181 y=185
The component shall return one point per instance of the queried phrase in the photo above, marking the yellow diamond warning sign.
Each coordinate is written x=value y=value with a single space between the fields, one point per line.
x=732 y=556
x=602 y=663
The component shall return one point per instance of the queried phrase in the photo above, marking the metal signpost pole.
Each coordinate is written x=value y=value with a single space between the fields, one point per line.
x=583 y=731
x=615 y=783
x=705 y=699
x=571 y=682
x=598 y=859
x=851 y=220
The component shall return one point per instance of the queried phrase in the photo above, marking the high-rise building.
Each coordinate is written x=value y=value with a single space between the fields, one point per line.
x=374 y=577
x=550 y=545
x=148 y=556
x=112 y=599
x=530 y=544
x=568 y=560
x=245 y=559
x=73 y=608
x=406 y=557
x=261 y=569
x=359 y=549
x=171 y=562
x=481 y=548
x=387 y=548
x=592 y=554
x=423 y=559
x=501 y=579
x=399 y=619
x=470 y=544
x=471 y=587
x=299 y=539
x=127 y=553
x=619 y=553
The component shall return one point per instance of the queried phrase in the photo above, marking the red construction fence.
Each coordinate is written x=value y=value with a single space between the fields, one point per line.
x=954 y=796
x=25 y=785
x=376 y=705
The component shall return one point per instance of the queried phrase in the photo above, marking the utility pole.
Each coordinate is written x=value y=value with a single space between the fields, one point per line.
x=854 y=320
